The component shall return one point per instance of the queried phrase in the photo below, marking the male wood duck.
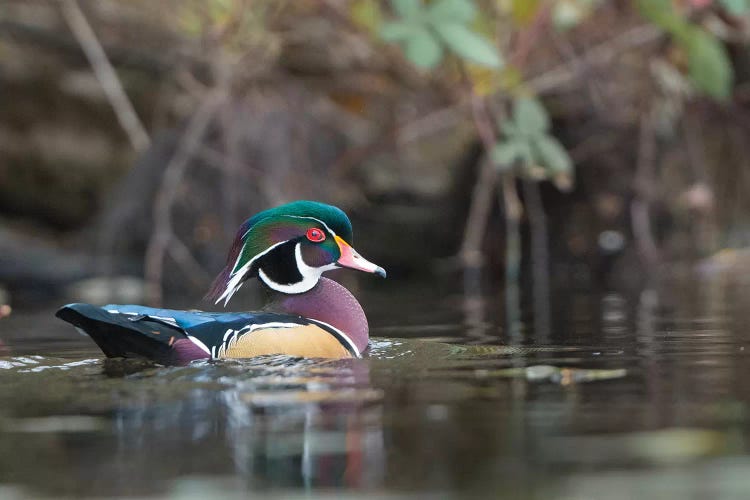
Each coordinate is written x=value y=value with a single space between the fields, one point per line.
x=287 y=248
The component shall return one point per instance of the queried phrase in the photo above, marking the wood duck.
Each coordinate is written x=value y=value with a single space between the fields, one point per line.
x=287 y=248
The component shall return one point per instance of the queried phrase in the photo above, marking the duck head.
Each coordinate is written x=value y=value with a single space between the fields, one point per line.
x=288 y=248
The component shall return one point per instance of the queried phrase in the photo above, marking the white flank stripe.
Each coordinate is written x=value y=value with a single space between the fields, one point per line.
x=346 y=338
x=199 y=344
x=227 y=334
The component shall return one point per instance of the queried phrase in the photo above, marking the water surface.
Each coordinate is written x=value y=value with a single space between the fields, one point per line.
x=640 y=395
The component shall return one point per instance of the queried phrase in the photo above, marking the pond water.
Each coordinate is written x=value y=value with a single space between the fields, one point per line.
x=639 y=395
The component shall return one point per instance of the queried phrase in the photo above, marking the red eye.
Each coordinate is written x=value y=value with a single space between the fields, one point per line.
x=315 y=235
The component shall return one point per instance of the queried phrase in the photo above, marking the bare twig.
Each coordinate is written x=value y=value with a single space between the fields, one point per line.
x=700 y=196
x=162 y=234
x=106 y=75
x=601 y=54
x=539 y=256
x=479 y=212
x=561 y=74
x=644 y=182
x=182 y=255
x=431 y=123
x=481 y=198
x=470 y=253
x=508 y=200
x=585 y=71
x=530 y=34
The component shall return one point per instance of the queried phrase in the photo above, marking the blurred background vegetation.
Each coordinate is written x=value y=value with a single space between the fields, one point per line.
x=574 y=142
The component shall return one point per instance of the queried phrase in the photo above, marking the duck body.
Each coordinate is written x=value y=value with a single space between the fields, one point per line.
x=307 y=315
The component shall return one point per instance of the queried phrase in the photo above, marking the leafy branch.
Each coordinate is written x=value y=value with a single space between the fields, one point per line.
x=709 y=67
x=425 y=32
x=526 y=140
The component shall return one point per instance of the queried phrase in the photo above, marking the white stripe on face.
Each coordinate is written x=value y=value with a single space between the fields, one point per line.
x=235 y=279
x=310 y=275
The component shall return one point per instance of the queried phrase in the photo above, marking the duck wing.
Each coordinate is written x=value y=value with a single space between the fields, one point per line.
x=171 y=336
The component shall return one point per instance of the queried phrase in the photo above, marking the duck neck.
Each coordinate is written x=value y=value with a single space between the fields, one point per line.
x=331 y=303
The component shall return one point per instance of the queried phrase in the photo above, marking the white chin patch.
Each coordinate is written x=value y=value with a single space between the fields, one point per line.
x=310 y=275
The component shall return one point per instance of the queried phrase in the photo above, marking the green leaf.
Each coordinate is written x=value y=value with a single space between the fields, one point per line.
x=423 y=50
x=709 y=65
x=736 y=7
x=455 y=11
x=468 y=44
x=397 y=31
x=530 y=117
x=509 y=129
x=367 y=14
x=506 y=153
x=527 y=153
x=663 y=14
x=552 y=154
x=407 y=9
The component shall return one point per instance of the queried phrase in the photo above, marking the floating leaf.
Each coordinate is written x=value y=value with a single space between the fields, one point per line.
x=455 y=11
x=551 y=154
x=530 y=117
x=468 y=44
x=407 y=9
x=709 y=65
x=397 y=31
x=423 y=50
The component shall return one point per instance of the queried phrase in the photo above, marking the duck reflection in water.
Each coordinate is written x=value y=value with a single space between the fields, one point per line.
x=290 y=423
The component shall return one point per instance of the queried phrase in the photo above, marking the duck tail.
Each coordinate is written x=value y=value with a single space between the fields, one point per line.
x=119 y=335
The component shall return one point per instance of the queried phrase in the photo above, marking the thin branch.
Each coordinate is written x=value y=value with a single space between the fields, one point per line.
x=182 y=255
x=547 y=81
x=526 y=38
x=155 y=65
x=431 y=123
x=481 y=198
x=162 y=234
x=644 y=182
x=539 y=256
x=481 y=204
x=106 y=75
x=508 y=200
x=601 y=54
